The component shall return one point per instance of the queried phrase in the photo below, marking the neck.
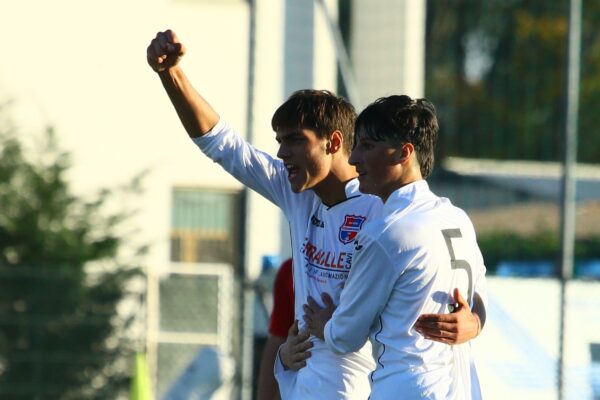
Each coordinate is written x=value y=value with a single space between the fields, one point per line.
x=408 y=176
x=332 y=190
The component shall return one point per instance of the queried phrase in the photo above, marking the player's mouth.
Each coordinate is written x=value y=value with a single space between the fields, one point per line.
x=293 y=171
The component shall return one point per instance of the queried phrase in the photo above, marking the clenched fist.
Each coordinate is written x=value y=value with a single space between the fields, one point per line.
x=164 y=51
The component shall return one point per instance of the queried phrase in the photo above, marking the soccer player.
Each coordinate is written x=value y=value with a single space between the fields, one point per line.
x=405 y=262
x=317 y=190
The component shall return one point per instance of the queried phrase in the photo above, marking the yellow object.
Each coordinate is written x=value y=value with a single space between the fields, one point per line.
x=140 y=382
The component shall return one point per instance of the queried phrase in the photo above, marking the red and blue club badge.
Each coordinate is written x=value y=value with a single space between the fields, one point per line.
x=350 y=228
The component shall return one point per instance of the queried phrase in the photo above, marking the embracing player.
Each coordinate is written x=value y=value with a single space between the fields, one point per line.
x=317 y=190
x=406 y=262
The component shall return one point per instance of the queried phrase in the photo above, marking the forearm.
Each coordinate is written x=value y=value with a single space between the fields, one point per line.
x=365 y=295
x=479 y=310
x=195 y=113
x=267 y=385
x=343 y=341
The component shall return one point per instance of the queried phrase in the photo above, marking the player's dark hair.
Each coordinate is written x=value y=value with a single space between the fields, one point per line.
x=317 y=110
x=400 y=119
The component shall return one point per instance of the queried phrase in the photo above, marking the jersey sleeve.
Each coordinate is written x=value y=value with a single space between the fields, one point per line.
x=369 y=284
x=255 y=169
x=282 y=316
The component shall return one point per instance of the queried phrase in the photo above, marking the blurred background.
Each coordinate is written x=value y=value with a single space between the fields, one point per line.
x=130 y=264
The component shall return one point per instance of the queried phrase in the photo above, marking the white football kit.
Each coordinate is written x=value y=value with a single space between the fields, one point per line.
x=323 y=250
x=407 y=263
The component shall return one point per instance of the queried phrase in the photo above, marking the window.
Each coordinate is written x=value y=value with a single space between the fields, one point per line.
x=205 y=225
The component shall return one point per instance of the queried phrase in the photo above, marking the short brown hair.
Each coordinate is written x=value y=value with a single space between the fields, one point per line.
x=318 y=110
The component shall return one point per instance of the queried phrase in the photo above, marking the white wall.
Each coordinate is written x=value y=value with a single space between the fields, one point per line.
x=388 y=48
x=81 y=66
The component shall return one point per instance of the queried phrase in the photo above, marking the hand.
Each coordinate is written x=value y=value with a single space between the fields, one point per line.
x=294 y=352
x=316 y=316
x=164 y=51
x=458 y=327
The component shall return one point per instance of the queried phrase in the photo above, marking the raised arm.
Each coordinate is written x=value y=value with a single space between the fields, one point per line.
x=163 y=55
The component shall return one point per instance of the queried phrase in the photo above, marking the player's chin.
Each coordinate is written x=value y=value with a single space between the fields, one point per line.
x=297 y=186
x=365 y=188
x=301 y=184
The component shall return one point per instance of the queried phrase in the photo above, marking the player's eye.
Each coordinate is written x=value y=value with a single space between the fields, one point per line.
x=366 y=144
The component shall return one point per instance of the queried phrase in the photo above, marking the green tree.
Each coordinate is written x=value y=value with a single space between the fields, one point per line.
x=60 y=333
x=496 y=71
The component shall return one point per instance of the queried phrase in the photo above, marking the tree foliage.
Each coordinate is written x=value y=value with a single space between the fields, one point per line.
x=60 y=334
x=496 y=71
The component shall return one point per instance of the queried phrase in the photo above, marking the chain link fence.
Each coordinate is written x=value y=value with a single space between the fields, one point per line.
x=192 y=334
x=64 y=335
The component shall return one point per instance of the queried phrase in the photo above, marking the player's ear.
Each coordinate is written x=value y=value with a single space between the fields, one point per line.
x=404 y=153
x=335 y=142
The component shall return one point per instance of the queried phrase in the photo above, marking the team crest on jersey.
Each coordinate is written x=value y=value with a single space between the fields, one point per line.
x=350 y=228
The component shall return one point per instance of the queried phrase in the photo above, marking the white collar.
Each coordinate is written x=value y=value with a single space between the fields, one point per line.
x=402 y=197
x=352 y=188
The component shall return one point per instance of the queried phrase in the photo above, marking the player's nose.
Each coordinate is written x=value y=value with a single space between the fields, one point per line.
x=283 y=152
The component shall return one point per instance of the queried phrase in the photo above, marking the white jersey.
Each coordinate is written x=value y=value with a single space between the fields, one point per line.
x=323 y=248
x=407 y=263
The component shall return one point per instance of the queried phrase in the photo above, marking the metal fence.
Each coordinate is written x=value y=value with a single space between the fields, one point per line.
x=191 y=332
x=68 y=334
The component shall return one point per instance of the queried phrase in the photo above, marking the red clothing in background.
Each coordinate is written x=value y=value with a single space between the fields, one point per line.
x=282 y=316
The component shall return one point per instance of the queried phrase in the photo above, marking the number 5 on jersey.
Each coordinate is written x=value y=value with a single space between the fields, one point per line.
x=449 y=234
